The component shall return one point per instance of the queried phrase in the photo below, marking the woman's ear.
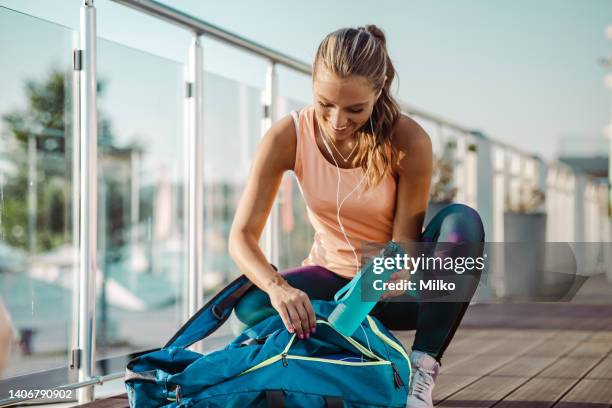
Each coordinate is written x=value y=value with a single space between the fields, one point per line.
x=380 y=92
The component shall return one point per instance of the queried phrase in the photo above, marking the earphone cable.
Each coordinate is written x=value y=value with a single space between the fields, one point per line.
x=338 y=203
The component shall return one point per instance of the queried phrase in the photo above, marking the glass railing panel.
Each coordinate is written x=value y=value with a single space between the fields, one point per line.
x=296 y=233
x=141 y=176
x=232 y=130
x=36 y=245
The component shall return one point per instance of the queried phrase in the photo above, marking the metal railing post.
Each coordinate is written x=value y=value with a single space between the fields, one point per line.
x=88 y=201
x=195 y=176
x=271 y=231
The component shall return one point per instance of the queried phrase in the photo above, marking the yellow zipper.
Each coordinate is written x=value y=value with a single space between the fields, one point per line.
x=387 y=340
x=332 y=361
x=354 y=342
x=285 y=356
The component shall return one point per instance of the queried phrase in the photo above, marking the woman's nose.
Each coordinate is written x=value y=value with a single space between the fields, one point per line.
x=338 y=121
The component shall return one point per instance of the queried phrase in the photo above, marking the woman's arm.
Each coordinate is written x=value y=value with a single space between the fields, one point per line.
x=274 y=155
x=415 y=164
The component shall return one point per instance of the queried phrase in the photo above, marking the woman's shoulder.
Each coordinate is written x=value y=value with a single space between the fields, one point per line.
x=408 y=135
x=410 y=141
x=283 y=138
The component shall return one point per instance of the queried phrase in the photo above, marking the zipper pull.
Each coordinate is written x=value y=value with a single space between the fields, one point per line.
x=284 y=358
x=397 y=378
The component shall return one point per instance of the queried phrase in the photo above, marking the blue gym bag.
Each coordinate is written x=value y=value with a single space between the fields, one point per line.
x=266 y=366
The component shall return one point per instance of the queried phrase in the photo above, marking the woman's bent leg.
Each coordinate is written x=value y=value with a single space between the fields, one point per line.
x=436 y=322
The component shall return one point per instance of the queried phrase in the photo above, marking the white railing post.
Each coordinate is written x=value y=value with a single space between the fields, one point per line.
x=271 y=230
x=88 y=201
x=195 y=176
x=484 y=185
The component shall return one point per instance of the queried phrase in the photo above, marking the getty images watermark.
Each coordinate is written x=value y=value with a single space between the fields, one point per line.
x=461 y=272
x=412 y=264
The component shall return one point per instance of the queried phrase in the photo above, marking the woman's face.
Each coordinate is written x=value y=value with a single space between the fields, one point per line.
x=342 y=105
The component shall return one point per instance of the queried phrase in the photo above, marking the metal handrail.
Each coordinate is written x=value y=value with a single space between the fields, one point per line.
x=192 y=23
x=200 y=27
x=97 y=380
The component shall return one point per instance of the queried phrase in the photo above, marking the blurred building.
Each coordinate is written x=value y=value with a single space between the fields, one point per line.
x=587 y=153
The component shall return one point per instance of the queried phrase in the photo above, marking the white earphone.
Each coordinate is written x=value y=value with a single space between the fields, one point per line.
x=338 y=203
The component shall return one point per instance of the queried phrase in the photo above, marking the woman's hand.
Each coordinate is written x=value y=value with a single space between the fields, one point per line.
x=398 y=276
x=294 y=307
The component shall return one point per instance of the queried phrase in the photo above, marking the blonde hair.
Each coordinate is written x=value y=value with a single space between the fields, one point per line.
x=363 y=51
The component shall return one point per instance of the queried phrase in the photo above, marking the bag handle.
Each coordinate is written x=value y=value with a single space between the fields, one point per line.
x=276 y=399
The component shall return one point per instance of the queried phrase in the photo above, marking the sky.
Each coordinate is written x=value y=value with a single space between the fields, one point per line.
x=524 y=72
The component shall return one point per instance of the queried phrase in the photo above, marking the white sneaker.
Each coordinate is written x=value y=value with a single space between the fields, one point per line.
x=424 y=372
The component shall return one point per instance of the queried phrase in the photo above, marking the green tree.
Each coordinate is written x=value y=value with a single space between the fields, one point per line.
x=44 y=122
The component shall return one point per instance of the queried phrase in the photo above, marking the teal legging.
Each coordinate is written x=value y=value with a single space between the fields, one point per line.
x=435 y=322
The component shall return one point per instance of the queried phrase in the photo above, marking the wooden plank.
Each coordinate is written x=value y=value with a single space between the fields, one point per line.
x=119 y=401
x=537 y=393
x=479 y=366
x=450 y=384
x=474 y=346
x=566 y=335
x=512 y=347
x=590 y=349
x=452 y=359
x=472 y=333
x=485 y=392
x=570 y=367
x=601 y=336
x=588 y=394
x=603 y=370
x=524 y=366
x=553 y=348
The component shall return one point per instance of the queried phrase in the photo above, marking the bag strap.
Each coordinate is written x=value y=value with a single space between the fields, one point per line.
x=345 y=291
x=391 y=248
x=212 y=315
x=276 y=399
x=334 y=402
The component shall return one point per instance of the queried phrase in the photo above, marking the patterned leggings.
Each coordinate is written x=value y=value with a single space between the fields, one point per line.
x=435 y=322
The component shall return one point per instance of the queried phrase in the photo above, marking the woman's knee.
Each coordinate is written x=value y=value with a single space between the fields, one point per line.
x=253 y=307
x=461 y=223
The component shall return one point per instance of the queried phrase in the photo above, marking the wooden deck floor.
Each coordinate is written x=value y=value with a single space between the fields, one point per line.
x=531 y=355
x=525 y=368
x=525 y=355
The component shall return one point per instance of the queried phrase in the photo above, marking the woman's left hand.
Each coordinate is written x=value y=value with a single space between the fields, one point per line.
x=398 y=276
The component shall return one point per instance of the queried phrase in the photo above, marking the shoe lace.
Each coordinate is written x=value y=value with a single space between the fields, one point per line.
x=422 y=382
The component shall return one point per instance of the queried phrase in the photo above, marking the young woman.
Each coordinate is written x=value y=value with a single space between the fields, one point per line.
x=364 y=170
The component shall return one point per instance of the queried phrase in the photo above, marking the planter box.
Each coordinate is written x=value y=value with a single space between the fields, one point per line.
x=524 y=254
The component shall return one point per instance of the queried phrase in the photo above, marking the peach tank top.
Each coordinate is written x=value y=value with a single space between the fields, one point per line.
x=366 y=217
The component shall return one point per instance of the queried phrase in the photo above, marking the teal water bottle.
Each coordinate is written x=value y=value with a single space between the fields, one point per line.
x=351 y=309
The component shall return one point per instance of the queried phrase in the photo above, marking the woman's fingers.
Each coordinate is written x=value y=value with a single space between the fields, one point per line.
x=295 y=320
x=312 y=317
x=286 y=319
x=305 y=319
